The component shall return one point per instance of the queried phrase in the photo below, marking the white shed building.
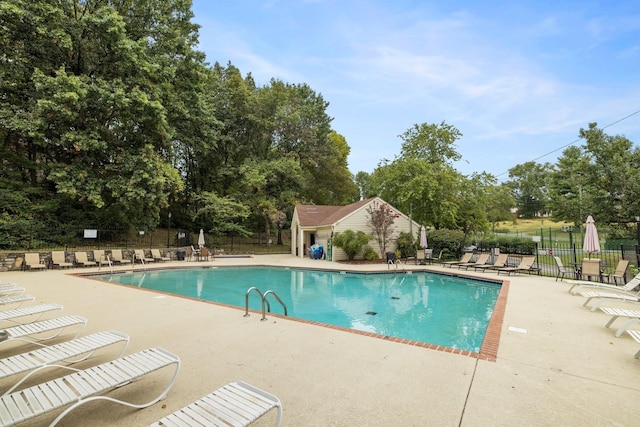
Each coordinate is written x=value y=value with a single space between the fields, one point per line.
x=316 y=224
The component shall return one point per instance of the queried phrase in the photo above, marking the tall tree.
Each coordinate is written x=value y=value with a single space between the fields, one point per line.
x=570 y=187
x=380 y=220
x=599 y=178
x=529 y=186
x=421 y=179
x=90 y=78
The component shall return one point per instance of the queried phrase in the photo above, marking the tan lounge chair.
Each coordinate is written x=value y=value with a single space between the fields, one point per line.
x=619 y=272
x=59 y=259
x=465 y=259
x=482 y=260
x=141 y=256
x=81 y=259
x=157 y=256
x=591 y=268
x=116 y=256
x=526 y=265
x=500 y=262
x=32 y=260
x=101 y=258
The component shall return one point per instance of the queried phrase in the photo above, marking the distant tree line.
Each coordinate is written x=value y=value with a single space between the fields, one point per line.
x=110 y=115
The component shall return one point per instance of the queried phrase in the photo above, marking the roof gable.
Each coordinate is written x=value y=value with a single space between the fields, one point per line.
x=319 y=215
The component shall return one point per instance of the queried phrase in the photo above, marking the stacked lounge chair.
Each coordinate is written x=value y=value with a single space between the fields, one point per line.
x=87 y=385
x=236 y=403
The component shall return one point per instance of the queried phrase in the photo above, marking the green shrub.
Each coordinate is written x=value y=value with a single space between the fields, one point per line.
x=352 y=242
x=406 y=245
x=450 y=242
x=369 y=253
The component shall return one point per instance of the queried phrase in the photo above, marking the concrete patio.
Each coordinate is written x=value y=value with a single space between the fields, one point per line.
x=557 y=364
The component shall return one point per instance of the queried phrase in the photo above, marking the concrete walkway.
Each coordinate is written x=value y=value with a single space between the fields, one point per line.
x=557 y=364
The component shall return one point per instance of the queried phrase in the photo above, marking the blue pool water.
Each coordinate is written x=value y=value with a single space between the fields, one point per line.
x=426 y=307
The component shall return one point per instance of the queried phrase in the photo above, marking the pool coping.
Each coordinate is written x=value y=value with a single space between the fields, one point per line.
x=488 y=349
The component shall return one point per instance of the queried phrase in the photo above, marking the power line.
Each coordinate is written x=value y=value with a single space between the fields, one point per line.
x=578 y=139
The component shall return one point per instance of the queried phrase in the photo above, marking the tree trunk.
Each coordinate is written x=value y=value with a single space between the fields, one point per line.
x=267 y=229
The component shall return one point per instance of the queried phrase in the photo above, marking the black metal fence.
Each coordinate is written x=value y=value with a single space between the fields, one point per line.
x=571 y=256
x=73 y=238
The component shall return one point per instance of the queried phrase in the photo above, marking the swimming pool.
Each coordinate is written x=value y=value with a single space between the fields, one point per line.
x=426 y=307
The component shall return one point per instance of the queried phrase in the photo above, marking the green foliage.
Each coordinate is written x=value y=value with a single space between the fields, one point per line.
x=108 y=109
x=529 y=185
x=406 y=245
x=450 y=242
x=511 y=245
x=369 y=254
x=352 y=242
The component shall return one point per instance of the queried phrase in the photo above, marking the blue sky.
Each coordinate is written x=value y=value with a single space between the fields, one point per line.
x=517 y=78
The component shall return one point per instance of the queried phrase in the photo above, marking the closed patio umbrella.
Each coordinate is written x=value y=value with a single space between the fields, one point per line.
x=423 y=237
x=201 y=238
x=591 y=242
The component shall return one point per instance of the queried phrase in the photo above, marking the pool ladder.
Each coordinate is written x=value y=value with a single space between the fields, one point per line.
x=263 y=297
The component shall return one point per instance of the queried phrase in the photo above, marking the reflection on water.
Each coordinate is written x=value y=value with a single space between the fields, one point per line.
x=426 y=307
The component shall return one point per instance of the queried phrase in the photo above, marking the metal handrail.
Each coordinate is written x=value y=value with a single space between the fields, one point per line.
x=264 y=299
x=246 y=301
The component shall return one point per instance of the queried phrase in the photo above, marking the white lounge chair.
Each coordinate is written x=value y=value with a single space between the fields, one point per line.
x=67 y=352
x=610 y=295
x=7 y=286
x=235 y=404
x=579 y=284
x=31 y=332
x=16 y=299
x=10 y=288
x=635 y=334
x=82 y=260
x=615 y=312
x=86 y=385
x=32 y=310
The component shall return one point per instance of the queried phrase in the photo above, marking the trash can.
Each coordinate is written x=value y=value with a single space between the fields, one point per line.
x=181 y=254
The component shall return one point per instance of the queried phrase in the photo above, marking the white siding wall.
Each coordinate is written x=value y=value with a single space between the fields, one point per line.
x=358 y=221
